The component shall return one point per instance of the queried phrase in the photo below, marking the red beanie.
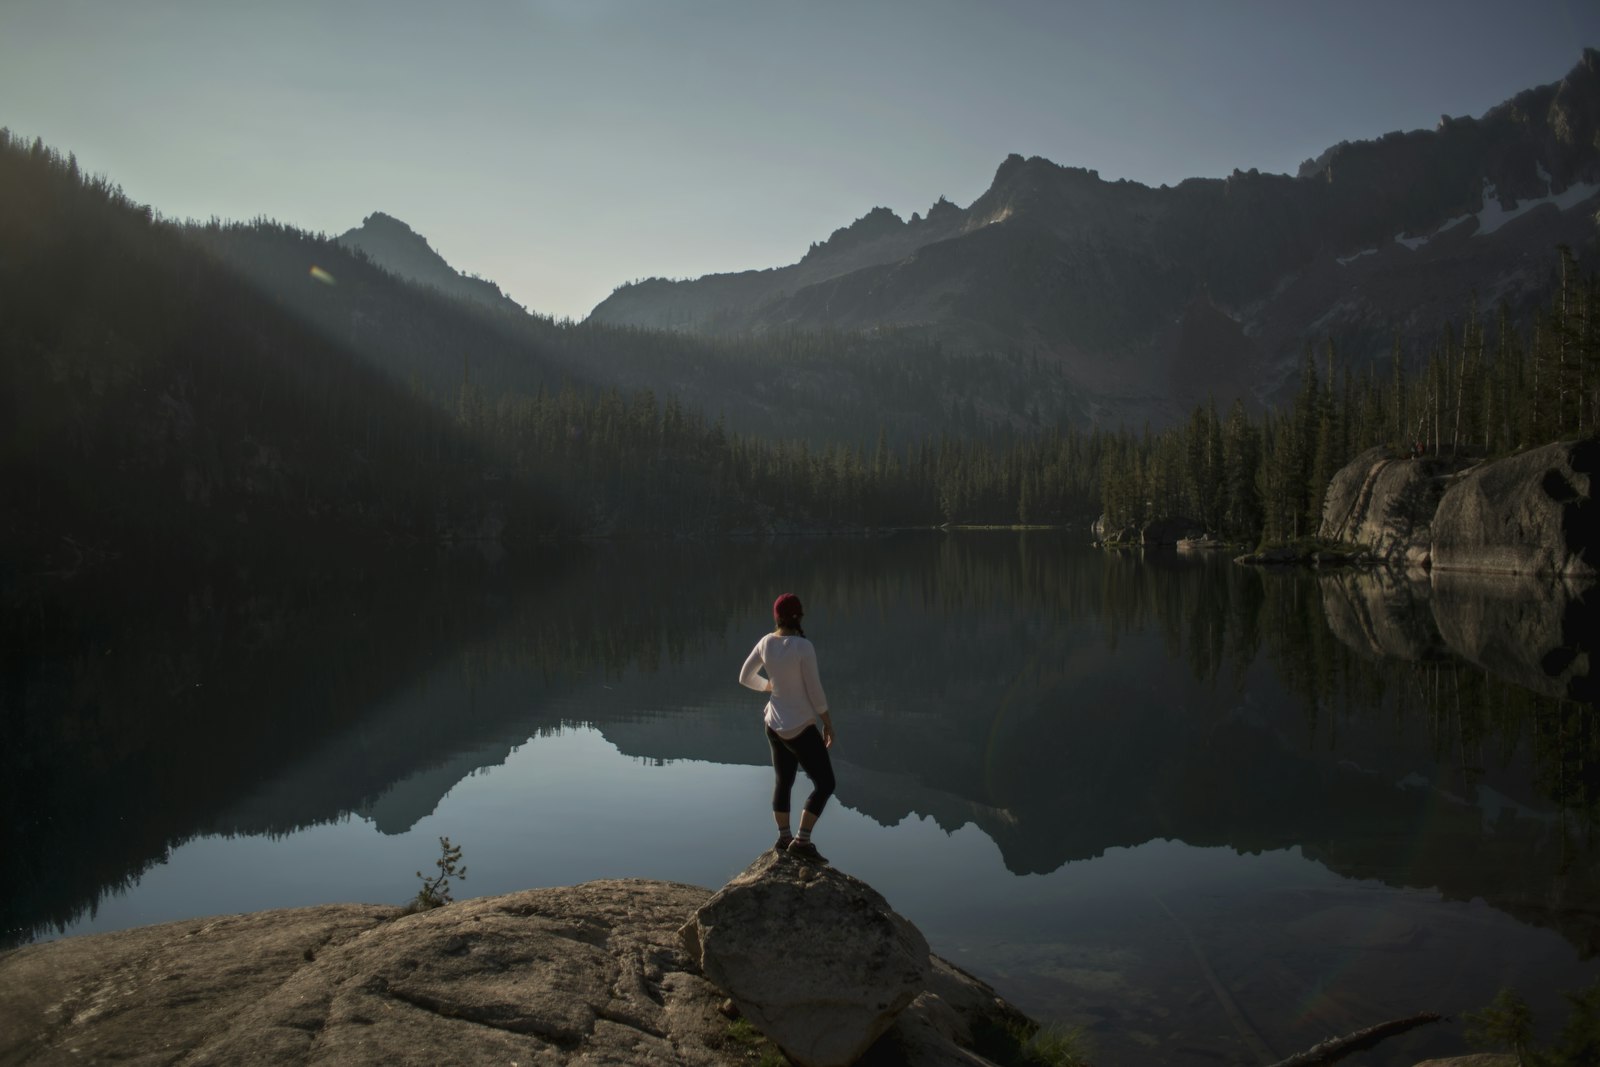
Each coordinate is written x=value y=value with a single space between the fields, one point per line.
x=787 y=606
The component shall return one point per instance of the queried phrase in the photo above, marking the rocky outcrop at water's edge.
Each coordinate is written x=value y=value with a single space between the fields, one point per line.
x=791 y=961
x=1501 y=562
x=843 y=981
x=1386 y=505
x=1531 y=514
x=594 y=973
x=1157 y=533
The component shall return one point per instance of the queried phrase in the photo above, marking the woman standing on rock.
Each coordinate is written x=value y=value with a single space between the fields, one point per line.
x=794 y=709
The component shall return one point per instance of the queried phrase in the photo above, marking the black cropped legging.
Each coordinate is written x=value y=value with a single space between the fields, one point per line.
x=807 y=751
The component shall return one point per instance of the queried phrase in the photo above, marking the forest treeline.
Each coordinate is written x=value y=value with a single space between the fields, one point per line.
x=630 y=463
x=1483 y=389
x=206 y=388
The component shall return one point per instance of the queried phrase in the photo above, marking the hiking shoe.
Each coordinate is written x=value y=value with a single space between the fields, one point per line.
x=783 y=843
x=805 y=850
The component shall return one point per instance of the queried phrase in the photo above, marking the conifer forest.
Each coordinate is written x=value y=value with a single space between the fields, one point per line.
x=166 y=386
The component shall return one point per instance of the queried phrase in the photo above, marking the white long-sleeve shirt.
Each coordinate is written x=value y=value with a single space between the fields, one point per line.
x=796 y=692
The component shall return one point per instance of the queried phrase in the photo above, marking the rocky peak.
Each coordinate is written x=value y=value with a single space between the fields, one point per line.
x=382 y=235
x=879 y=222
x=379 y=222
x=1553 y=127
x=404 y=252
x=1017 y=176
x=1096 y=273
x=943 y=211
x=1057 y=198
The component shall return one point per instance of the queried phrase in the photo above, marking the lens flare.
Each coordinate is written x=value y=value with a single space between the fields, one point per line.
x=322 y=276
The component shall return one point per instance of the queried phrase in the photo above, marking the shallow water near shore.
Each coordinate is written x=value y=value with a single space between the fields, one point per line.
x=1157 y=797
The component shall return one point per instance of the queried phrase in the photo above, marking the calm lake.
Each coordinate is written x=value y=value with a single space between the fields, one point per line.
x=1208 y=813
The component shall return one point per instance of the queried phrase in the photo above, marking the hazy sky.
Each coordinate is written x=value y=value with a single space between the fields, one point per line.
x=562 y=147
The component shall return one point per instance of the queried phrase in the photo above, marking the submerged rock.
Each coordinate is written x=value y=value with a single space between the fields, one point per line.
x=816 y=959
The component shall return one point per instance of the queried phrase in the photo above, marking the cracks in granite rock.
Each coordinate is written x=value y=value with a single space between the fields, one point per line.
x=562 y=1038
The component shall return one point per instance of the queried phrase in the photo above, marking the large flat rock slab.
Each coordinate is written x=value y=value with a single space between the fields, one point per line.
x=593 y=974
x=590 y=973
x=153 y=994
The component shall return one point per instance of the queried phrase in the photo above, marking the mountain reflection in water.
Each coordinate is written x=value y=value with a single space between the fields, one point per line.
x=1175 y=731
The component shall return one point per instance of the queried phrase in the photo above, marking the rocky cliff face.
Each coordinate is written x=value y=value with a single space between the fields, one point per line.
x=1532 y=513
x=1386 y=504
x=1152 y=297
x=1529 y=514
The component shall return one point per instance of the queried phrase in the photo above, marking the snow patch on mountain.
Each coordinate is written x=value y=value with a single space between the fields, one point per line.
x=1494 y=216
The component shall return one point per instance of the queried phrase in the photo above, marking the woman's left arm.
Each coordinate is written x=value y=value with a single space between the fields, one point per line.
x=750 y=674
x=813 y=682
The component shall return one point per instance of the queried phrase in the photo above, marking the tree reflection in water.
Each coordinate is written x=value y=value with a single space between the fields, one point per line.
x=1063 y=700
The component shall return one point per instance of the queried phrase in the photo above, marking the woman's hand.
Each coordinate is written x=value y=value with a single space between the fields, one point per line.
x=827 y=733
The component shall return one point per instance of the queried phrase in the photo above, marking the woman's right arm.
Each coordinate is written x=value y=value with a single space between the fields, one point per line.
x=749 y=675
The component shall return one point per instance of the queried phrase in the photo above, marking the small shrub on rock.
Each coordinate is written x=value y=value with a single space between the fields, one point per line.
x=435 y=891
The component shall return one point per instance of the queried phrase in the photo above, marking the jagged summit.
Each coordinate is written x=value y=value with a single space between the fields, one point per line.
x=1369 y=240
x=400 y=250
x=1551 y=127
x=878 y=222
x=378 y=221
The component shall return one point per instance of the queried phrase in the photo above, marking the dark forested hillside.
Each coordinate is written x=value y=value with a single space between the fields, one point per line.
x=151 y=398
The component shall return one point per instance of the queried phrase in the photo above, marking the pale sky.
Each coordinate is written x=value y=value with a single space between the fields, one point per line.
x=563 y=147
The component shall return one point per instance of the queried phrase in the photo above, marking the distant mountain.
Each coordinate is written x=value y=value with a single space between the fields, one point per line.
x=1148 y=299
x=823 y=386
x=401 y=251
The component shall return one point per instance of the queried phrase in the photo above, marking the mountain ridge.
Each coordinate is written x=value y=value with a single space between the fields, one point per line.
x=1093 y=275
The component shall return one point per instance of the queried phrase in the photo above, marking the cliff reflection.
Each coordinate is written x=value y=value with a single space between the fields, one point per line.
x=1538 y=634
